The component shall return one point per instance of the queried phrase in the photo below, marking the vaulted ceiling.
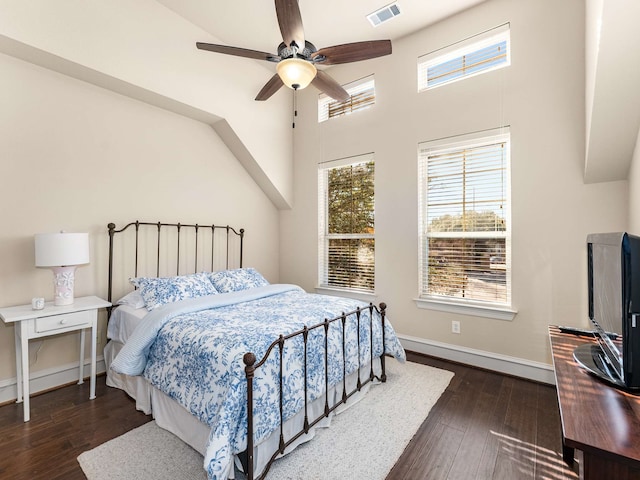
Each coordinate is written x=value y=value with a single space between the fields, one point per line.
x=252 y=23
x=146 y=50
x=612 y=39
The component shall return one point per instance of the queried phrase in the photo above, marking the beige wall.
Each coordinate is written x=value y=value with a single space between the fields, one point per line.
x=634 y=190
x=76 y=157
x=541 y=96
x=147 y=51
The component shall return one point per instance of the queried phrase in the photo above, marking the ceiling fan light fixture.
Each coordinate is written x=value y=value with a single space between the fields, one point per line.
x=295 y=71
x=297 y=57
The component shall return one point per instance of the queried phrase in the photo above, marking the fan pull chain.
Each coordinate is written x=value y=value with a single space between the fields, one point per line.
x=295 y=104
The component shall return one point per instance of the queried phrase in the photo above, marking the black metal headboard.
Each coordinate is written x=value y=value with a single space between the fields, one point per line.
x=203 y=248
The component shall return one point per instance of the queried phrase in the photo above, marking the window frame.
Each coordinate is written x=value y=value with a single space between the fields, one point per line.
x=497 y=310
x=323 y=224
x=353 y=88
x=460 y=49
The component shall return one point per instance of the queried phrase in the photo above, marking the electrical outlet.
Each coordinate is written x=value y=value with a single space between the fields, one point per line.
x=455 y=326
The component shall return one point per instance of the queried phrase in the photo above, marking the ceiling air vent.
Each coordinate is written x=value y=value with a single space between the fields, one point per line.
x=384 y=14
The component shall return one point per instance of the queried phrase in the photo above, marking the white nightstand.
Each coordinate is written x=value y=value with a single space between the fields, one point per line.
x=52 y=320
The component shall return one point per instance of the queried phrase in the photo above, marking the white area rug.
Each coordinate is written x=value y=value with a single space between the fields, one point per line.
x=362 y=443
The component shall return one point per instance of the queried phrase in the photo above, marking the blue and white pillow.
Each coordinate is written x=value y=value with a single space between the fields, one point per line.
x=159 y=291
x=236 y=280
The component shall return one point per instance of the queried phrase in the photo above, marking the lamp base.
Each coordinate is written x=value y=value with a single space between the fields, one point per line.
x=63 y=280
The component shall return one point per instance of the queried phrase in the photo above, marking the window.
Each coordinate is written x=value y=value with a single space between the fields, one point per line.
x=363 y=95
x=346 y=225
x=479 y=54
x=465 y=228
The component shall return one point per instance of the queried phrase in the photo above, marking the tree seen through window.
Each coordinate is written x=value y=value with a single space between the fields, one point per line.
x=350 y=226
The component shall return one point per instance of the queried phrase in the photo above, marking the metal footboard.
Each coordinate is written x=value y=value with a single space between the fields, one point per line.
x=251 y=366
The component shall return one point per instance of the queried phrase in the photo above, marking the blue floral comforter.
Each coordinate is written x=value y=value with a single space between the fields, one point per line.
x=192 y=350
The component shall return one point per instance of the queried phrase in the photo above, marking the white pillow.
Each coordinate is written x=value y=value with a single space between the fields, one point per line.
x=133 y=299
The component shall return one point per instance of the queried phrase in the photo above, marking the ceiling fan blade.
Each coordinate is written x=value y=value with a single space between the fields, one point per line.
x=238 y=52
x=352 y=52
x=271 y=87
x=290 y=22
x=328 y=85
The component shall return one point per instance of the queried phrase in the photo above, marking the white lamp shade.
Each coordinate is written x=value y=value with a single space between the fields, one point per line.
x=61 y=249
x=295 y=71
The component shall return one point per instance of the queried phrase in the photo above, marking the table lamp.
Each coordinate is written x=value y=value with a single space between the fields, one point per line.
x=62 y=252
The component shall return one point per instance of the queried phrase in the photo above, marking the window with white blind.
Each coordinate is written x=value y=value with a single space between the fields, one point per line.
x=479 y=54
x=346 y=226
x=465 y=227
x=362 y=95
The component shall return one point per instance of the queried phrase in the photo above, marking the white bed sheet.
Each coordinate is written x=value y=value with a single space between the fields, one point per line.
x=123 y=321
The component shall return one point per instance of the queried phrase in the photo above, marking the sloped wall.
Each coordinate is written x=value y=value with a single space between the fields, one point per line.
x=147 y=51
x=76 y=157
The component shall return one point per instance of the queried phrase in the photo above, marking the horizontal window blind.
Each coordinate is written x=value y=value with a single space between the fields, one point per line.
x=351 y=263
x=346 y=224
x=465 y=245
x=362 y=95
x=479 y=54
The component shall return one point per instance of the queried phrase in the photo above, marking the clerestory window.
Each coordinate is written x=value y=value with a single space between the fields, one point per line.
x=362 y=95
x=479 y=54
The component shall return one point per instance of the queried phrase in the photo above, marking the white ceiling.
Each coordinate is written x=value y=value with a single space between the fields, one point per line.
x=611 y=101
x=252 y=24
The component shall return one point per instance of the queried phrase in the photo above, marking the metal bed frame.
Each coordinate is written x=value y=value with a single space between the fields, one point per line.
x=197 y=229
x=252 y=364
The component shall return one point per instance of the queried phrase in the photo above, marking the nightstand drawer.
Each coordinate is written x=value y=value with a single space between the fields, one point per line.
x=65 y=320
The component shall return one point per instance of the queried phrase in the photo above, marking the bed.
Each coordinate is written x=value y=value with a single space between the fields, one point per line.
x=240 y=369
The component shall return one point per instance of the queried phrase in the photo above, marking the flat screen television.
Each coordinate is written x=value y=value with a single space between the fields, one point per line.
x=613 y=261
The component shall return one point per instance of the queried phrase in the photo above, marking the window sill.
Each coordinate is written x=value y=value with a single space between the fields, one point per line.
x=474 y=309
x=338 y=292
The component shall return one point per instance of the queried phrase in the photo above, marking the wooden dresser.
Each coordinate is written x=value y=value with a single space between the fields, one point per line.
x=601 y=421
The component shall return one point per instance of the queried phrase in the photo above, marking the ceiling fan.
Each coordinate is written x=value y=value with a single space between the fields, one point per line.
x=297 y=58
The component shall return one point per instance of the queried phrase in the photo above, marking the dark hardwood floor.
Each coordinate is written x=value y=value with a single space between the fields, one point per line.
x=485 y=426
x=64 y=423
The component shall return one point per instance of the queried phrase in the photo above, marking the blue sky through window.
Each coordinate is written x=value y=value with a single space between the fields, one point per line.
x=469 y=64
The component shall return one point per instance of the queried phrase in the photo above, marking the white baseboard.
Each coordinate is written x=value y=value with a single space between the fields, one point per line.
x=541 y=372
x=537 y=371
x=48 y=378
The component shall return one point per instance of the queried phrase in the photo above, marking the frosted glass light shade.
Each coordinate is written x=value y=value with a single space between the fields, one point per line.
x=295 y=71
x=61 y=249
